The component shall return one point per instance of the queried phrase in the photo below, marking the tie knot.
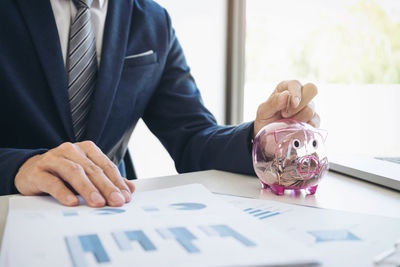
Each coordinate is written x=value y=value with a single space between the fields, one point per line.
x=82 y=3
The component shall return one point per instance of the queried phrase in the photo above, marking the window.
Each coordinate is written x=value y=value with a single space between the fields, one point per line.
x=349 y=48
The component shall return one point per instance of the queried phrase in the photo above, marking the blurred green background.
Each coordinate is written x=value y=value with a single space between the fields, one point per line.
x=325 y=41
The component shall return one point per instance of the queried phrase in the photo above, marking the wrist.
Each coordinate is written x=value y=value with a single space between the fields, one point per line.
x=21 y=182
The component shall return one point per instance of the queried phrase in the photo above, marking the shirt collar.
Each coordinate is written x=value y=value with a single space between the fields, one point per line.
x=101 y=3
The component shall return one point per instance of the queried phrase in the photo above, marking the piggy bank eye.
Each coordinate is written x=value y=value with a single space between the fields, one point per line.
x=315 y=143
x=296 y=143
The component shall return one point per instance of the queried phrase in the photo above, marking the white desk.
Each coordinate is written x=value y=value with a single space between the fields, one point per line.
x=335 y=192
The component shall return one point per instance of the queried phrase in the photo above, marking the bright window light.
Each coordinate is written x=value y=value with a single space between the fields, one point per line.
x=349 y=48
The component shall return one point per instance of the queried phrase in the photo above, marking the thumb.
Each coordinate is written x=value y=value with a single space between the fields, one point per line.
x=270 y=110
x=275 y=103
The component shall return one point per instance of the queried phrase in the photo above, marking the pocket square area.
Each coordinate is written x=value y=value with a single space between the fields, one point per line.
x=140 y=54
x=146 y=58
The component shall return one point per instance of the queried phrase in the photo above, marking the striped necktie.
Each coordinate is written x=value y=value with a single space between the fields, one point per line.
x=81 y=67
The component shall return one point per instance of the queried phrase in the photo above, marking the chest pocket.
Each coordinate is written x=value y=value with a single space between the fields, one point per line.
x=137 y=84
x=142 y=59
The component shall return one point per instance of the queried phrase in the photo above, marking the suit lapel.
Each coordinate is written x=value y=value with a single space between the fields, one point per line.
x=40 y=21
x=115 y=37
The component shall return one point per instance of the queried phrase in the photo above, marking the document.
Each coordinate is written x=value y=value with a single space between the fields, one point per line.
x=180 y=226
x=340 y=238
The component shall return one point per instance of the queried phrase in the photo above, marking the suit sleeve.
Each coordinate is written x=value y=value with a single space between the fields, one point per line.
x=11 y=160
x=177 y=116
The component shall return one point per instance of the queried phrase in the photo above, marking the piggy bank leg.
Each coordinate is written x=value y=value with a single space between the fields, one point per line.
x=278 y=189
x=311 y=190
x=263 y=185
x=268 y=177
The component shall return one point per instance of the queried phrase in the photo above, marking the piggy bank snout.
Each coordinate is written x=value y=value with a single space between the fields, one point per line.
x=309 y=165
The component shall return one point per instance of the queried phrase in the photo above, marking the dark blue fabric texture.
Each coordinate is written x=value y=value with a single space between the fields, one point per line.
x=34 y=107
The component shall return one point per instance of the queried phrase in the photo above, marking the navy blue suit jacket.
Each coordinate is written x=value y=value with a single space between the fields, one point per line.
x=34 y=107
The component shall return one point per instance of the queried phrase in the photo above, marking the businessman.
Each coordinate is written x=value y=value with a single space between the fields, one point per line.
x=77 y=75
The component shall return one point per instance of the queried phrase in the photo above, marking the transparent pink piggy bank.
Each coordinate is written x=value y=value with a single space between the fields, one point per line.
x=288 y=154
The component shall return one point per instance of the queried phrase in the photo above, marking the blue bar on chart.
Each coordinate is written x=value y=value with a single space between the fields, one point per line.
x=182 y=235
x=270 y=215
x=150 y=208
x=70 y=213
x=222 y=230
x=254 y=211
x=188 y=206
x=333 y=235
x=261 y=213
x=79 y=245
x=123 y=240
x=108 y=211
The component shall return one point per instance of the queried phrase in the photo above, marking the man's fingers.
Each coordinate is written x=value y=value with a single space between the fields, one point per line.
x=109 y=169
x=48 y=183
x=270 y=110
x=130 y=185
x=306 y=114
x=294 y=87
x=108 y=189
x=309 y=91
x=95 y=173
x=75 y=175
x=282 y=86
x=276 y=102
x=71 y=167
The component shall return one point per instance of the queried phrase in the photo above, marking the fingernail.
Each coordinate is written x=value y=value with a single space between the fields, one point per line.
x=96 y=198
x=117 y=198
x=127 y=195
x=71 y=200
x=296 y=101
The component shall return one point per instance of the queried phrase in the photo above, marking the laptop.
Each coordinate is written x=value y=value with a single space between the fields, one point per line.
x=383 y=171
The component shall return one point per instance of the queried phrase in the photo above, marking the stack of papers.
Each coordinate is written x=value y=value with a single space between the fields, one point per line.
x=181 y=226
x=189 y=226
x=340 y=238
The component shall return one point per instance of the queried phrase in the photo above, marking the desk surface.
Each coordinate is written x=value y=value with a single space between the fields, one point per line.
x=335 y=191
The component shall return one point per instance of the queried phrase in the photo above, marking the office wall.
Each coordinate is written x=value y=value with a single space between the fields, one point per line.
x=201 y=28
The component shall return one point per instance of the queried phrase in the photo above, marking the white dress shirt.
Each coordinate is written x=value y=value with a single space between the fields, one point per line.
x=64 y=12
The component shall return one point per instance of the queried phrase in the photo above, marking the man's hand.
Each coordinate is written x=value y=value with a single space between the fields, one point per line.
x=84 y=167
x=277 y=107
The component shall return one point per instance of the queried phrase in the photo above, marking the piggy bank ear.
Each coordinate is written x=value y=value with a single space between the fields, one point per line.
x=322 y=133
x=280 y=134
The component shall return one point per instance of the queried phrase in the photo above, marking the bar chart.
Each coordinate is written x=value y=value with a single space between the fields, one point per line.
x=264 y=213
x=124 y=239
x=80 y=246
x=226 y=231
x=181 y=226
x=182 y=235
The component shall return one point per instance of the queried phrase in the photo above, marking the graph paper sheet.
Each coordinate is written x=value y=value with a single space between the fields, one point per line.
x=340 y=238
x=181 y=226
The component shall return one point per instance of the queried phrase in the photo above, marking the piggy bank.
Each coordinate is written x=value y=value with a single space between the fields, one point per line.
x=288 y=154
